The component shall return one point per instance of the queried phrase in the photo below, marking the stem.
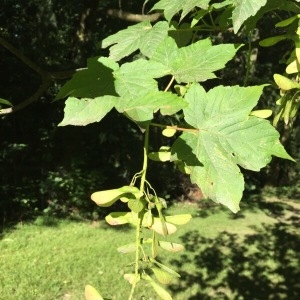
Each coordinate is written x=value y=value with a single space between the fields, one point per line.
x=169 y=85
x=138 y=226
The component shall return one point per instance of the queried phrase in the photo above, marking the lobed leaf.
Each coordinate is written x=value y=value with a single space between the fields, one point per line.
x=243 y=9
x=226 y=138
x=81 y=112
x=141 y=36
x=94 y=81
x=187 y=65
x=171 y=8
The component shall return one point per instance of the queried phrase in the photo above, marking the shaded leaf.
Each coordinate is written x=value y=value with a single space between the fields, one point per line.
x=95 y=81
x=6 y=102
x=81 y=112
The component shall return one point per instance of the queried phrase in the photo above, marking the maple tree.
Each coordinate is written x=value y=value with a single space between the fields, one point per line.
x=218 y=131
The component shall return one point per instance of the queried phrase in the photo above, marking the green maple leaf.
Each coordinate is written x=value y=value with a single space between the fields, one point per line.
x=243 y=9
x=141 y=36
x=94 y=81
x=226 y=138
x=171 y=8
x=141 y=109
x=196 y=62
x=81 y=112
x=139 y=95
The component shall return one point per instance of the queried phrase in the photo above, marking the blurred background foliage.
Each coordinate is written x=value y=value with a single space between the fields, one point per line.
x=53 y=170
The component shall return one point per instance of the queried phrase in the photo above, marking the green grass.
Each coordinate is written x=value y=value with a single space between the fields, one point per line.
x=251 y=255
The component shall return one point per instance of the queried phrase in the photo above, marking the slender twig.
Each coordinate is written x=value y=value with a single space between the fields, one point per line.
x=138 y=226
x=169 y=84
x=46 y=77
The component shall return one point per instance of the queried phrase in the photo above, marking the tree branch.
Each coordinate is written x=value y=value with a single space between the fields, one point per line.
x=118 y=13
x=46 y=77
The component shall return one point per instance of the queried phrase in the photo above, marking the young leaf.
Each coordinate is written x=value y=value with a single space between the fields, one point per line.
x=91 y=293
x=190 y=66
x=86 y=111
x=141 y=36
x=170 y=8
x=243 y=10
x=226 y=138
x=95 y=81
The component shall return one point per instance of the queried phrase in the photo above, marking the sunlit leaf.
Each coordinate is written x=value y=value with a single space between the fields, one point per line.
x=226 y=138
x=243 y=9
x=272 y=40
x=142 y=36
x=170 y=8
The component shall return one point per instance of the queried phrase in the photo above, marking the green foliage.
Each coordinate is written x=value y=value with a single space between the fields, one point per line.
x=220 y=133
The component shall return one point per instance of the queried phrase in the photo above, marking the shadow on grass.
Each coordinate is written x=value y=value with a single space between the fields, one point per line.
x=262 y=265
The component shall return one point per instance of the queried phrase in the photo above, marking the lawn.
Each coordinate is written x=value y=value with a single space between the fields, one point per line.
x=254 y=254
